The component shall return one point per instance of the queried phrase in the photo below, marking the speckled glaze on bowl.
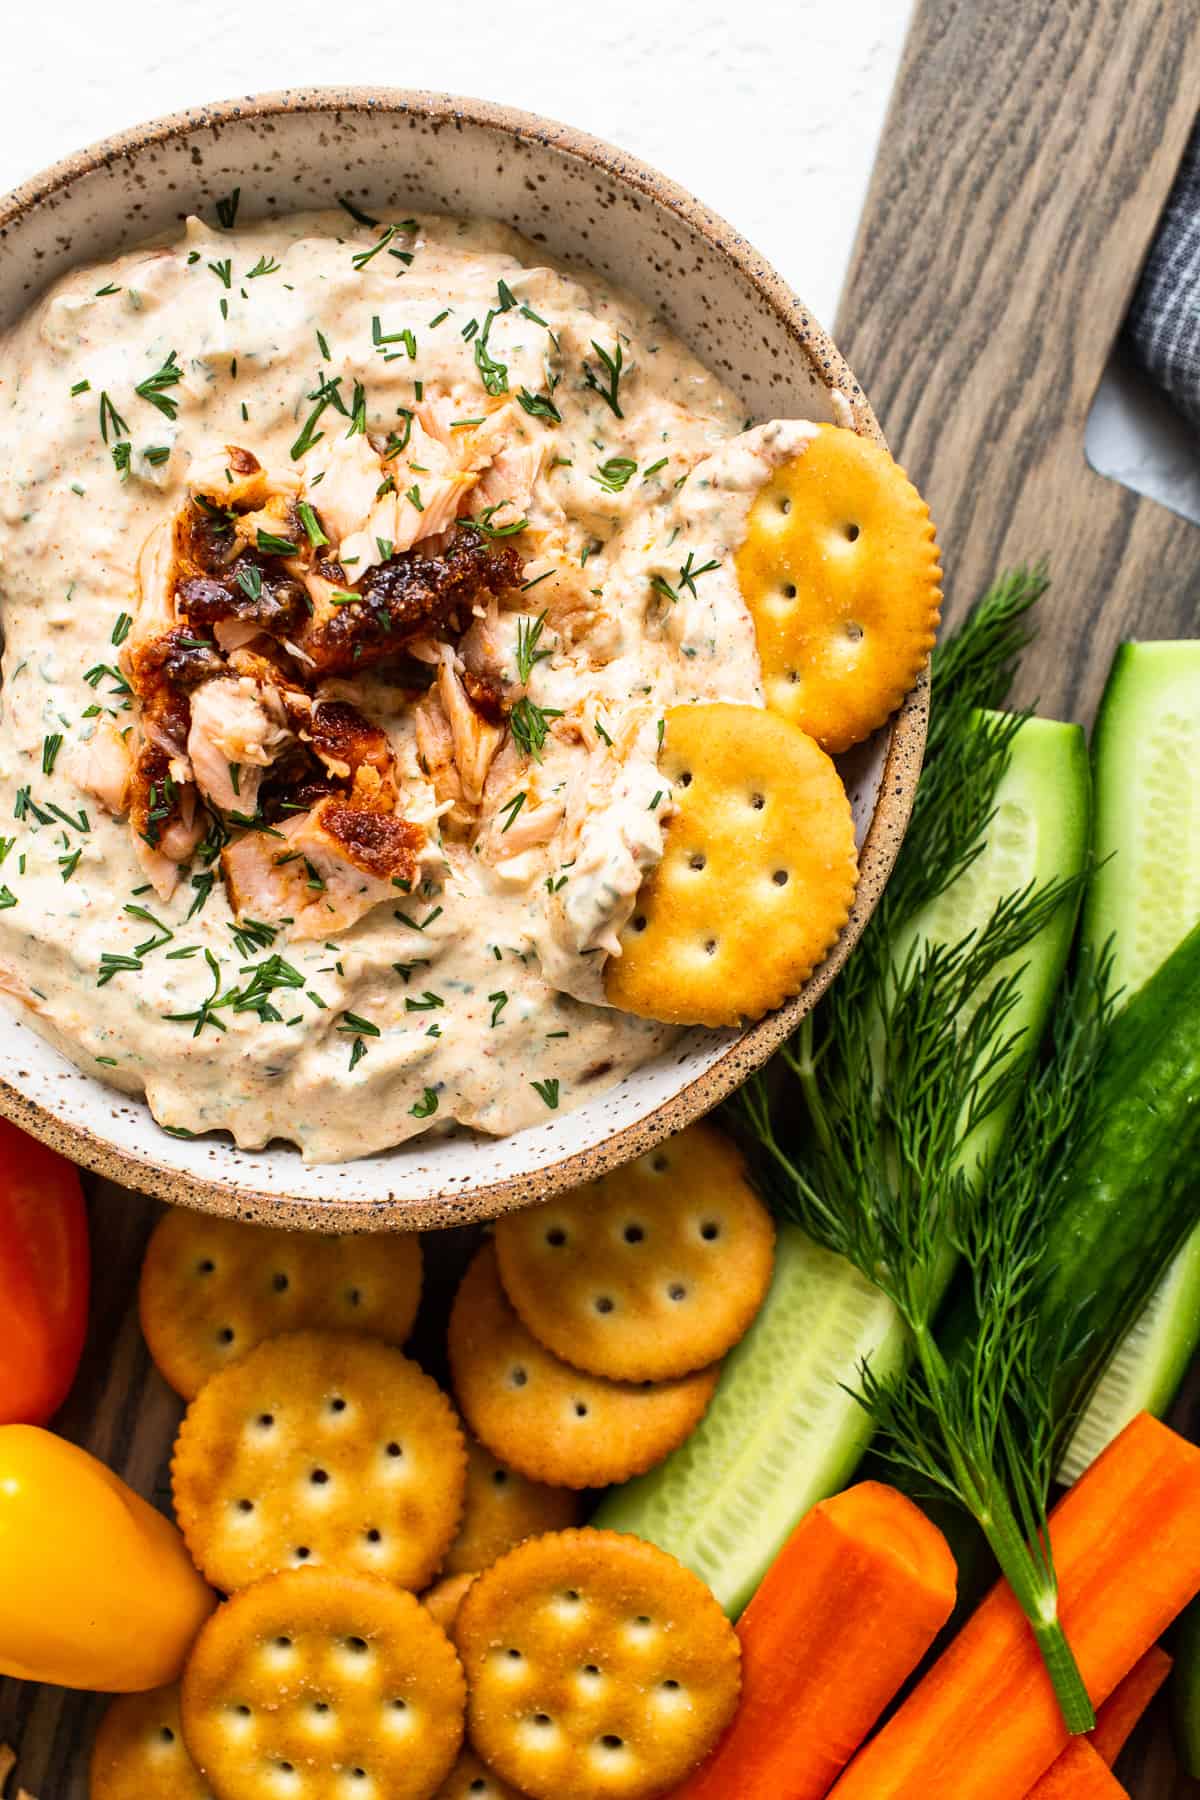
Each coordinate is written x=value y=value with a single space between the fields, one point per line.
x=392 y=151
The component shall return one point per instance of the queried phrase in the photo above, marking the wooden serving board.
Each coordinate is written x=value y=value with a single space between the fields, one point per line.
x=1027 y=154
x=1026 y=157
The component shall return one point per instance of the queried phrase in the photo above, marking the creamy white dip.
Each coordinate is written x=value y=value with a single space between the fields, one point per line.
x=476 y=994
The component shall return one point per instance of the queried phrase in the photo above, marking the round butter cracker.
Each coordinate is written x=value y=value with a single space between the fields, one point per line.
x=840 y=572
x=139 y=1752
x=318 y=1684
x=444 y=1598
x=597 y=1667
x=757 y=876
x=213 y=1288
x=502 y=1509
x=469 y=1779
x=650 y=1272
x=552 y=1422
x=319 y=1447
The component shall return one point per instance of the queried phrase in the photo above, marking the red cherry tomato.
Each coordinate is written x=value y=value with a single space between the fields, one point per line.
x=44 y=1271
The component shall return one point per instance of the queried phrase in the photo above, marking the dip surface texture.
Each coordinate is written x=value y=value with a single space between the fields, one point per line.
x=427 y=373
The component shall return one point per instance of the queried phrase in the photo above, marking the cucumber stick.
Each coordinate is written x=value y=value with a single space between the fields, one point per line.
x=784 y=1429
x=1145 y=897
x=781 y=1433
x=1040 y=831
x=1129 y=1198
x=1185 y=1689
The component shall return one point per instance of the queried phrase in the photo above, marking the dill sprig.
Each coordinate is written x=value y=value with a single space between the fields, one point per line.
x=868 y=1130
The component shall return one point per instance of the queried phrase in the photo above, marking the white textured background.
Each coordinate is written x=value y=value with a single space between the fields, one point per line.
x=773 y=121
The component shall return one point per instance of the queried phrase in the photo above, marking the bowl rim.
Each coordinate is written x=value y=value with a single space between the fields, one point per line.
x=898 y=779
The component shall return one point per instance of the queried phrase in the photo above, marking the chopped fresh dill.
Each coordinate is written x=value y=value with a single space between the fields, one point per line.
x=539 y=406
x=153 y=389
x=512 y=808
x=529 y=637
x=530 y=726
x=613 y=365
x=615 y=473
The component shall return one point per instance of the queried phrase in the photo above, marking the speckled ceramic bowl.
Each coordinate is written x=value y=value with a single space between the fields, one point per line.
x=390 y=149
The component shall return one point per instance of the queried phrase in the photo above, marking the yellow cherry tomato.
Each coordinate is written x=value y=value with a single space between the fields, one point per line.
x=96 y=1588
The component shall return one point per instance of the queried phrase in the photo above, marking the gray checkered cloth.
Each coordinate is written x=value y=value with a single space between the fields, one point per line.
x=1163 y=327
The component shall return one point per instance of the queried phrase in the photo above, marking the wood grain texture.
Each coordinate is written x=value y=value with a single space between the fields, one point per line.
x=1025 y=160
x=1028 y=151
x=1026 y=156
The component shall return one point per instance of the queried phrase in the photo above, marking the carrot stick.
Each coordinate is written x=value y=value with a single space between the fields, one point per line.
x=1078 y=1774
x=846 y=1612
x=984 y=1723
x=1120 y=1713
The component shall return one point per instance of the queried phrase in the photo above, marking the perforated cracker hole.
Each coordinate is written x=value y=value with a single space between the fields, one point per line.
x=854 y=631
x=677 y=1291
x=788 y=590
x=280 y=1283
x=852 y=533
x=337 y=1406
x=499 y=1478
x=245 y=1506
x=785 y=505
x=556 y=1237
x=225 y=1335
x=610 y=1741
x=581 y=1411
x=780 y=878
x=634 y=1234
x=394 y=1450
x=710 y=946
x=603 y=1303
x=302 y=1553
x=517 y=1378
x=357 y=1646
x=354 y=1296
x=265 y=1421
x=758 y=801
x=639 y=923
x=207 y=1267
x=374 y=1535
x=166 y=1734
x=710 y=1231
x=685 y=778
x=319 y=1477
